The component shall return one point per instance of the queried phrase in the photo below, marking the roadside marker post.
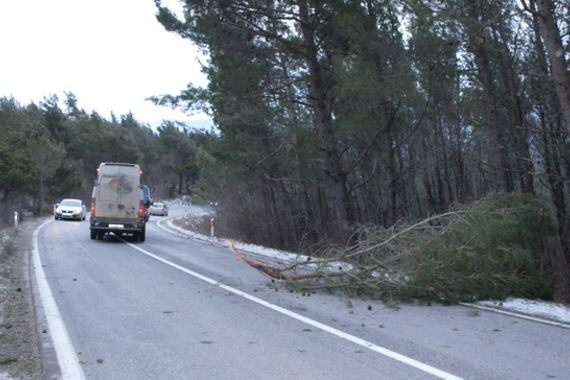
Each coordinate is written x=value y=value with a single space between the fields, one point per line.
x=212 y=227
x=16 y=219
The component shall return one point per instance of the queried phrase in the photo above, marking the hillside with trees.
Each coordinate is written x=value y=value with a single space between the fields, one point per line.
x=343 y=113
x=52 y=149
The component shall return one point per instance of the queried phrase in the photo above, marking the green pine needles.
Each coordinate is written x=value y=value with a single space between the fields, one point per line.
x=488 y=250
x=489 y=254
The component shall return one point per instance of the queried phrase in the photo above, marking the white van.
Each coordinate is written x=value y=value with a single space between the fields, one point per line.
x=117 y=202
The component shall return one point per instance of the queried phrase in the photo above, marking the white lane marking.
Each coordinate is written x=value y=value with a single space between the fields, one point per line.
x=178 y=232
x=175 y=233
x=66 y=356
x=516 y=315
x=341 y=334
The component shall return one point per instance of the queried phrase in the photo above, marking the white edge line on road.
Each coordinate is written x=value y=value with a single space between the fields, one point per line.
x=341 y=334
x=516 y=315
x=176 y=233
x=66 y=356
x=187 y=235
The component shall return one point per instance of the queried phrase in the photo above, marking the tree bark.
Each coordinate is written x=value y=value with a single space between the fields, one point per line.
x=322 y=105
x=497 y=128
x=555 y=50
x=557 y=254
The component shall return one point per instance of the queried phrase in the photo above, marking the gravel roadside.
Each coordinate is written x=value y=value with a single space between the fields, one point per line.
x=19 y=343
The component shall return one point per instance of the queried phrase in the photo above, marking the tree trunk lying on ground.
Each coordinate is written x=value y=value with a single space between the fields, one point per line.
x=279 y=273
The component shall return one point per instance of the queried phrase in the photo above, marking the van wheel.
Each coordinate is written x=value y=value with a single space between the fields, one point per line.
x=100 y=235
x=142 y=234
x=93 y=234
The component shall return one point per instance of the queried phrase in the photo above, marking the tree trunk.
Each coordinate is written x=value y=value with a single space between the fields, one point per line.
x=322 y=105
x=555 y=50
x=477 y=40
x=557 y=253
x=523 y=162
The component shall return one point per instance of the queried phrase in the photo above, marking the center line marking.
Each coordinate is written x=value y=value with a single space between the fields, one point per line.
x=341 y=334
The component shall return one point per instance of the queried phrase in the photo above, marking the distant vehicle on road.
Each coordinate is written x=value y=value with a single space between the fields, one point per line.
x=117 y=203
x=70 y=209
x=158 y=208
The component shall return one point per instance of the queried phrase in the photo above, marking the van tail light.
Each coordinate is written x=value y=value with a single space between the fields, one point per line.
x=93 y=207
x=141 y=208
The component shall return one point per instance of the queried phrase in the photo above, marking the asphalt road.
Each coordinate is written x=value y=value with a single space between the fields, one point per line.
x=174 y=308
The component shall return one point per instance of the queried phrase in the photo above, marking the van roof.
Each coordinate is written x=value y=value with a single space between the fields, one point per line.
x=117 y=164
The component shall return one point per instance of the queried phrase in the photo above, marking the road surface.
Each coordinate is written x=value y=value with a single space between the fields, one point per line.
x=174 y=308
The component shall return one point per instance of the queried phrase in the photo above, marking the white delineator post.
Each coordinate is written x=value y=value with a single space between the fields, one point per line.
x=212 y=227
x=16 y=219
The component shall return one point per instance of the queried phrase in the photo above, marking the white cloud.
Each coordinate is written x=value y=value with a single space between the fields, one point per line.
x=111 y=53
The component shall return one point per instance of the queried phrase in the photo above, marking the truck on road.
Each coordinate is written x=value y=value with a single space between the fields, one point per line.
x=118 y=202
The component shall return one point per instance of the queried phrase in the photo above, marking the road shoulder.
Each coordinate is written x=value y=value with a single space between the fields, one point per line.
x=20 y=354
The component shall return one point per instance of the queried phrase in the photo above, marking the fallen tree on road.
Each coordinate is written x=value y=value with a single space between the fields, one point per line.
x=491 y=249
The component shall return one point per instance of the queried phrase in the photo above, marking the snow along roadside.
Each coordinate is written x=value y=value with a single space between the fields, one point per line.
x=540 y=311
x=274 y=255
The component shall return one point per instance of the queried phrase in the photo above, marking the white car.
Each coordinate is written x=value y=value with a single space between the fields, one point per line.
x=70 y=209
x=158 y=208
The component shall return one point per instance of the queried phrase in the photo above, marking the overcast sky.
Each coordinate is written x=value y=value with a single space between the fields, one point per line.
x=112 y=54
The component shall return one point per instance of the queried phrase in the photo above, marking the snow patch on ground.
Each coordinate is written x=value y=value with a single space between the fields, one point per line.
x=542 y=309
x=270 y=253
x=286 y=257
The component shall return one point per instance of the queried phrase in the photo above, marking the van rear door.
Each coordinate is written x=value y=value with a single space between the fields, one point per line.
x=119 y=193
